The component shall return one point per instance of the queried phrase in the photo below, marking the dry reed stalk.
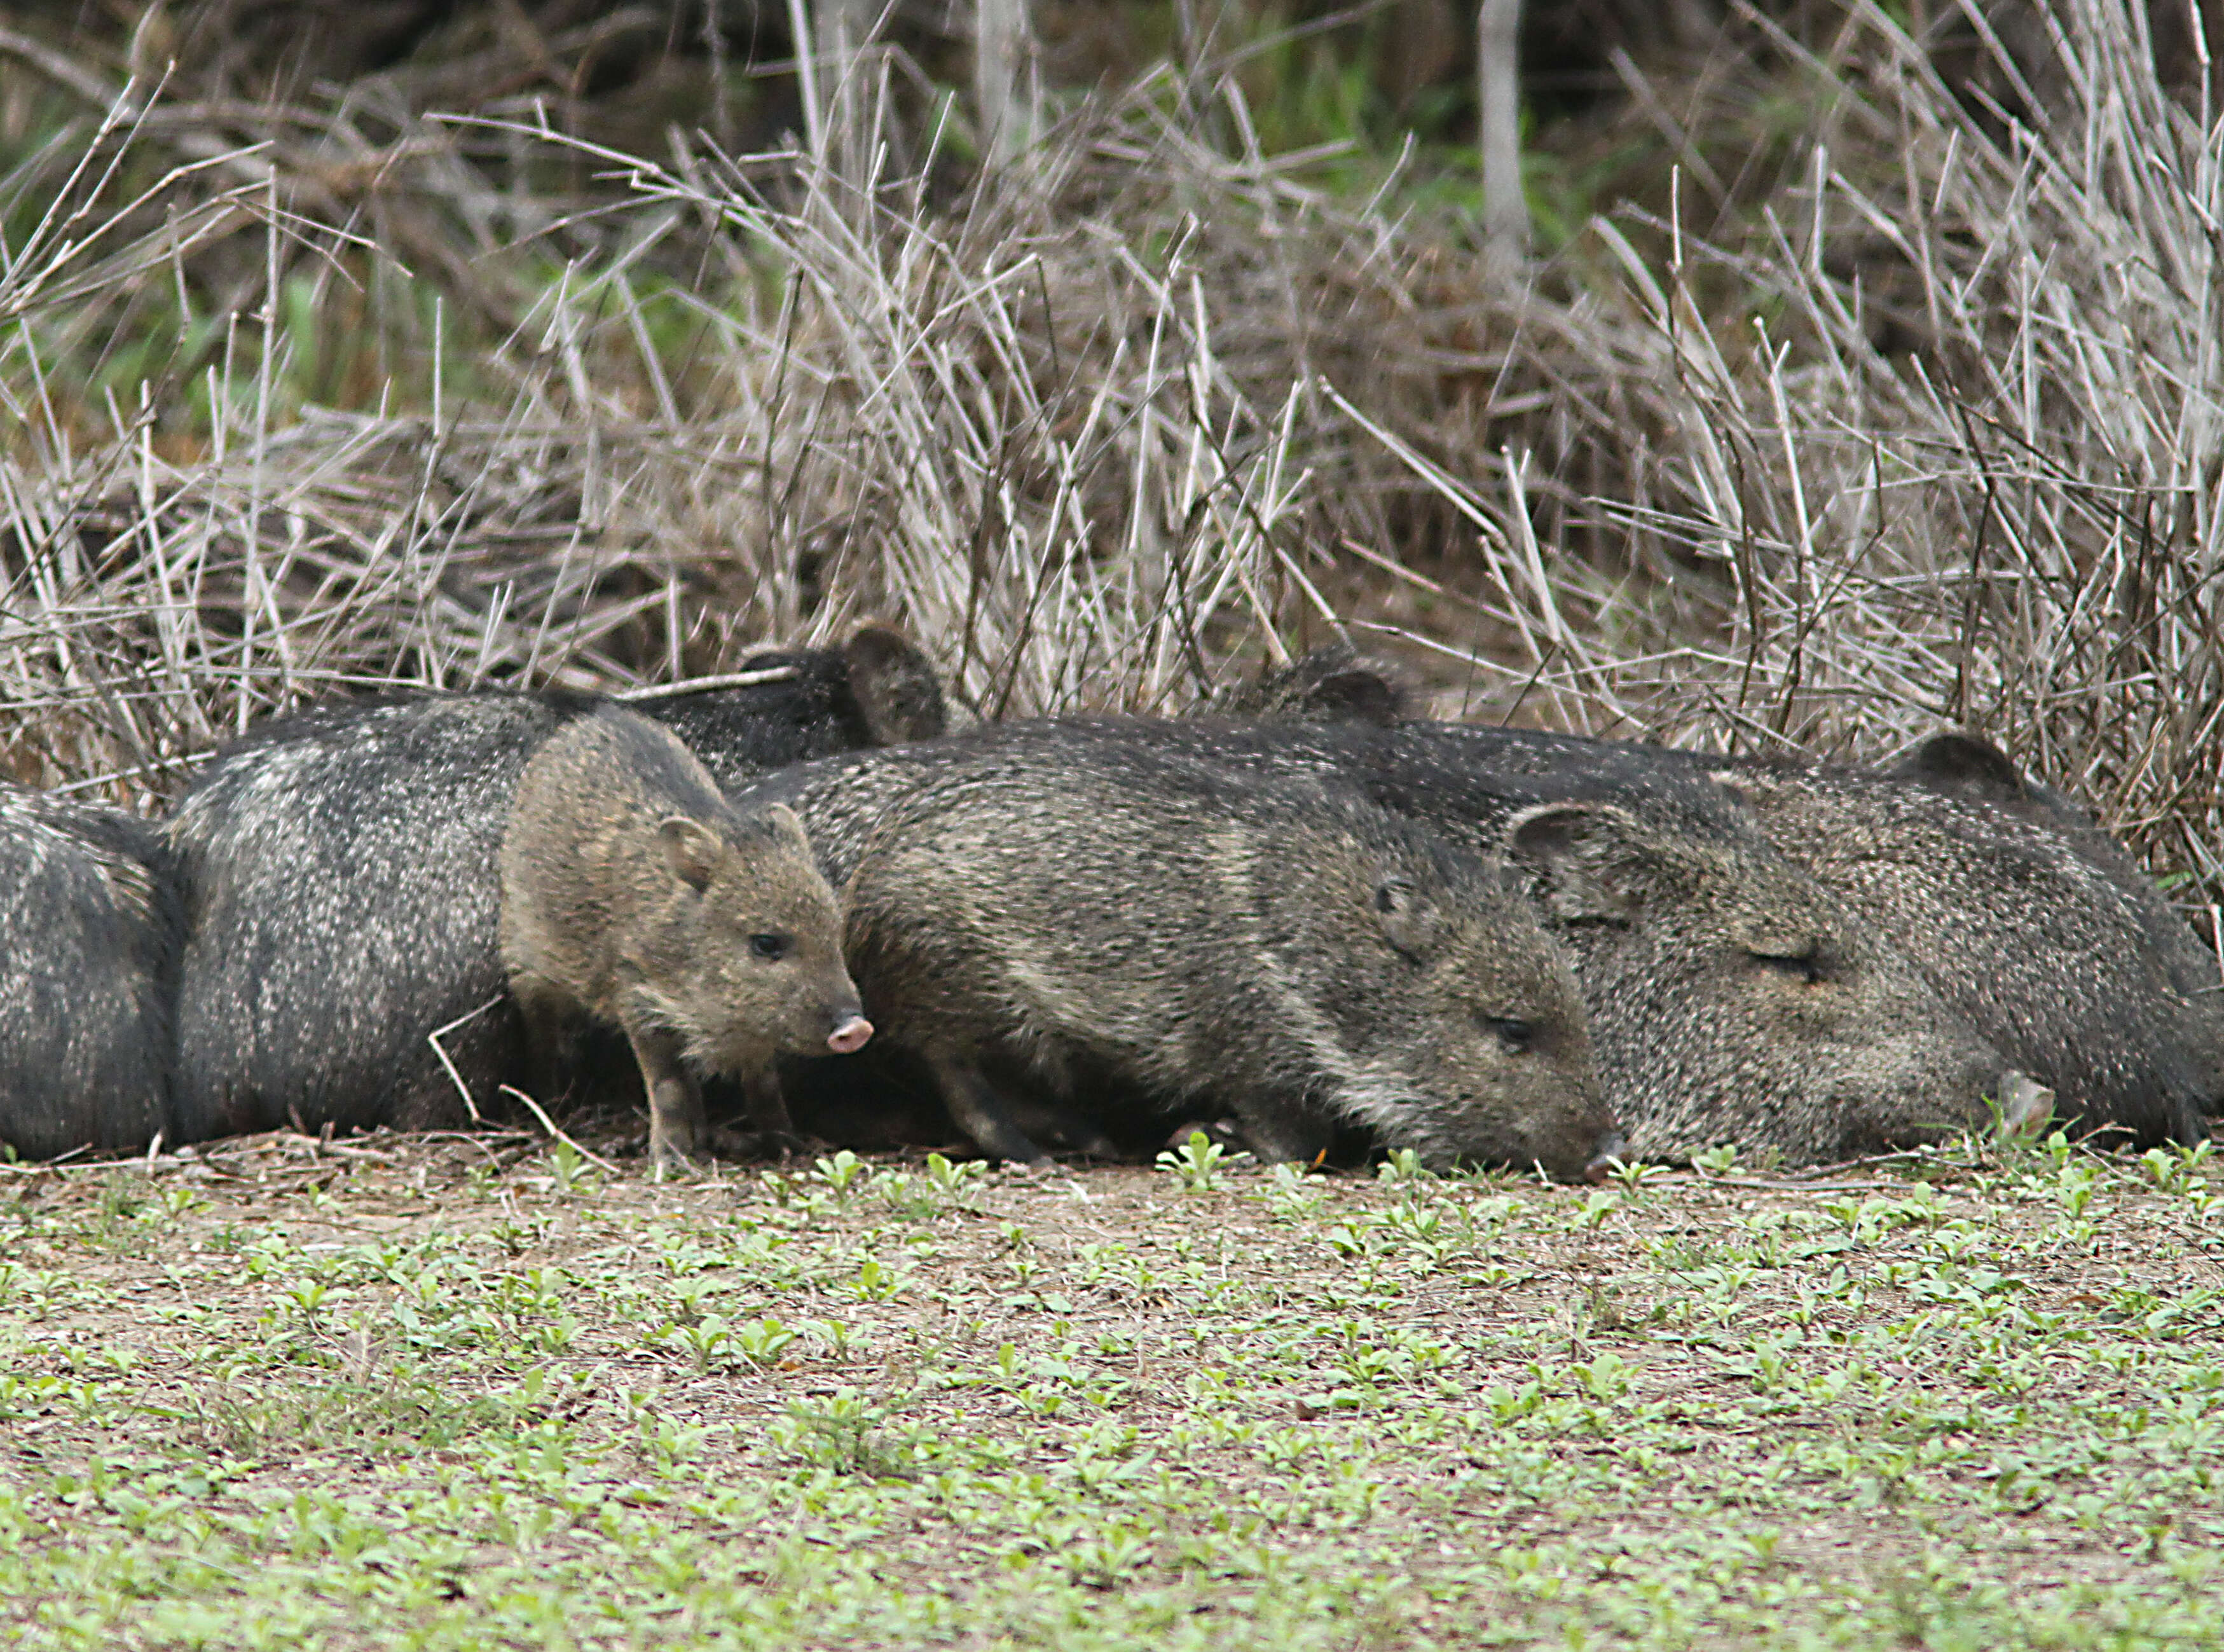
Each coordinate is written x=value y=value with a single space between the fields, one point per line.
x=1936 y=441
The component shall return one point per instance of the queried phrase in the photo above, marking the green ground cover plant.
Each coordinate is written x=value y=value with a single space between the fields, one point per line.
x=451 y=1393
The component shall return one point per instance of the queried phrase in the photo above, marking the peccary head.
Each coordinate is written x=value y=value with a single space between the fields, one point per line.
x=1732 y=998
x=895 y=685
x=876 y=689
x=1471 y=1028
x=2062 y=953
x=744 y=958
x=1335 y=684
x=1465 y=1032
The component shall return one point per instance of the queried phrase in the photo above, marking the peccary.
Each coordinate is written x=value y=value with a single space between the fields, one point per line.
x=1732 y=998
x=342 y=892
x=2018 y=911
x=1063 y=906
x=878 y=690
x=2071 y=962
x=634 y=894
x=1335 y=684
x=88 y=961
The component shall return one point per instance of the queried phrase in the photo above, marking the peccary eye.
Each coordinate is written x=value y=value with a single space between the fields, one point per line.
x=1513 y=1032
x=771 y=948
x=1805 y=967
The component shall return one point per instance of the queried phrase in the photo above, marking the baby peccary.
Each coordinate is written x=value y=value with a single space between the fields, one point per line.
x=1020 y=900
x=88 y=959
x=633 y=894
x=341 y=894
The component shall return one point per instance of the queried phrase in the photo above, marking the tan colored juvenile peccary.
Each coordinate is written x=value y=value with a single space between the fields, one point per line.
x=633 y=894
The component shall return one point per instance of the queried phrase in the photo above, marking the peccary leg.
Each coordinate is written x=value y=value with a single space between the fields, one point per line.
x=982 y=1114
x=548 y=1040
x=675 y=1101
x=772 y=1133
x=1046 y=1121
x=768 y=1107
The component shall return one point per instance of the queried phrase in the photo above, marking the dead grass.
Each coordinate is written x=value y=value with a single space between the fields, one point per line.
x=1925 y=439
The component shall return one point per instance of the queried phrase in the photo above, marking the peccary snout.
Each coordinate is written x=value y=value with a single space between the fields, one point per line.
x=850 y=1037
x=1608 y=1158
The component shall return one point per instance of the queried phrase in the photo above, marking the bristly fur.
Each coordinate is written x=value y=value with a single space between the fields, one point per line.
x=1662 y=892
x=342 y=890
x=89 y=927
x=1029 y=896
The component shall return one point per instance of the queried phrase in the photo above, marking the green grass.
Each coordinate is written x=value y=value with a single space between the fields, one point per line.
x=406 y=1394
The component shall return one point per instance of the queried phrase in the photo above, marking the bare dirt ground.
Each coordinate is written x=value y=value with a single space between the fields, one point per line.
x=458 y=1392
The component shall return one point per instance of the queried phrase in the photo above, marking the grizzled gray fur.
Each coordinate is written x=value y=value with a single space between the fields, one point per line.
x=2019 y=911
x=342 y=892
x=1335 y=684
x=1732 y=997
x=88 y=961
x=2069 y=961
x=634 y=896
x=1023 y=899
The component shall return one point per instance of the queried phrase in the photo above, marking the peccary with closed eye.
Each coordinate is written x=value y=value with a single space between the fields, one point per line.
x=1732 y=998
x=339 y=867
x=88 y=970
x=634 y=895
x=2020 y=911
x=1022 y=899
x=2068 y=960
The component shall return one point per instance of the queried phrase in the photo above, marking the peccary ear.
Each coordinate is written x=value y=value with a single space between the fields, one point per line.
x=1965 y=764
x=895 y=685
x=692 y=850
x=788 y=829
x=1596 y=861
x=1408 y=917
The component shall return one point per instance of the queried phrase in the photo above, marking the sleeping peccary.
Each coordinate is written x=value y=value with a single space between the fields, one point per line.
x=2066 y=959
x=88 y=970
x=341 y=888
x=1019 y=900
x=2022 y=914
x=634 y=895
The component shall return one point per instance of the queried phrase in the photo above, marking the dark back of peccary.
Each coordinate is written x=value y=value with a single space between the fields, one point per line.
x=88 y=973
x=2069 y=961
x=1732 y=998
x=342 y=892
x=876 y=690
x=1026 y=899
x=341 y=899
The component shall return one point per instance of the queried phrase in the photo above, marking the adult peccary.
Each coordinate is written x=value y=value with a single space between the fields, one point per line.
x=1177 y=933
x=2018 y=911
x=1732 y=997
x=88 y=970
x=634 y=895
x=342 y=891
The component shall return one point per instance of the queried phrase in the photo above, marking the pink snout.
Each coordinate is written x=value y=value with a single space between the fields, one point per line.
x=850 y=1037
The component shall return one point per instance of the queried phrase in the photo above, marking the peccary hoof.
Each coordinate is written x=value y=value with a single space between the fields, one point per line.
x=779 y=1145
x=1220 y=1132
